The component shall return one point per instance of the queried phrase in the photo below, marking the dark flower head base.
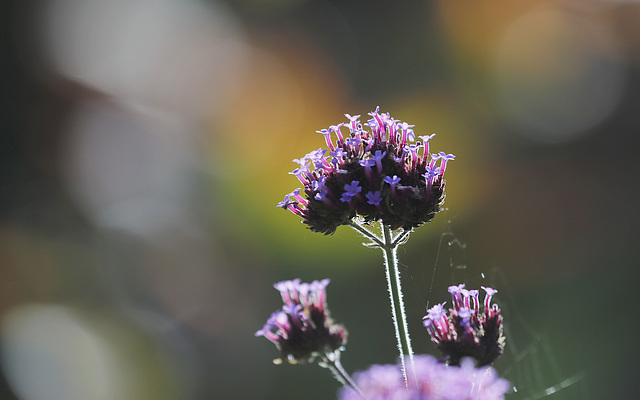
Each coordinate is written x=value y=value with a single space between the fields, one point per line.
x=428 y=380
x=378 y=174
x=466 y=331
x=303 y=328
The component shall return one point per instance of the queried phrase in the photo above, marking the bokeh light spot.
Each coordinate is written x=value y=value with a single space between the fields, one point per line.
x=129 y=170
x=557 y=75
x=50 y=354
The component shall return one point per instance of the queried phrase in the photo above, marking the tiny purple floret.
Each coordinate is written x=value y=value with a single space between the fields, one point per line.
x=374 y=198
x=353 y=187
x=393 y=181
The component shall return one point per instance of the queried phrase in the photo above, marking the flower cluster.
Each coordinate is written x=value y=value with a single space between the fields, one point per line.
x=303 y=328
x=466 y=332
x=428 y=380
x=379 y=174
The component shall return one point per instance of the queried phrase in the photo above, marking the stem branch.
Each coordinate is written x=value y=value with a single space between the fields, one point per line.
x=332 y=362
x=366 y=233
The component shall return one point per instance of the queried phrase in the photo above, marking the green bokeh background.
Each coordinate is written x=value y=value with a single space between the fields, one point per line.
x=541 y=201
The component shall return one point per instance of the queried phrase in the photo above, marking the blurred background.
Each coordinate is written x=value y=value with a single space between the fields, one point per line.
x=145 y=144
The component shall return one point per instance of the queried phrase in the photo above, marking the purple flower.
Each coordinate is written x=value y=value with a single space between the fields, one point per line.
x=302 y=173
x=286 y=202
x=467 y=331
x=445 y=158
x=318 y=185
x=377 y=157
x=354 y=142
x=302 y=161
x=321 y=195
x=338 y=153
x=367 y=163
x=407 y=133
x=392 y=180
x=426 y=138
x=303 y=327
x=435 y=313
x=373 y=198
x=351 y=190
x=431 y=173
x=327 y=138
x=353 y=122
x=429 y=380
x=425 y=142
x=316 y=155
x=382 y=142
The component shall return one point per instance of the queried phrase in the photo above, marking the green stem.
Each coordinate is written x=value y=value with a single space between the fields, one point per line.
x=365 y=232
x=401 y=238
x=332 y=362
x=389 y=249
x=389 y=246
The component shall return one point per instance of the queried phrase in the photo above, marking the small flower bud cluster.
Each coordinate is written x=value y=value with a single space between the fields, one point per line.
x=303 y=327
x=428 y=380
x=466 y=331
x=379 y=174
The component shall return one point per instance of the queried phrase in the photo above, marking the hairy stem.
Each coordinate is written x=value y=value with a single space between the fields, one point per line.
x=389 y=249
x=389 y=246
x=366 y=233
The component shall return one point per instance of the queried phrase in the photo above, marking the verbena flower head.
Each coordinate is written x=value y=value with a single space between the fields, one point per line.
x=376 y=171
x=467 y=331
x=303 y=327
x=429 y=380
